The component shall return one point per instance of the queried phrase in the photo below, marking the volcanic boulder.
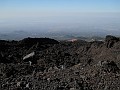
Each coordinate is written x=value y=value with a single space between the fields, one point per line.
x=110 y=40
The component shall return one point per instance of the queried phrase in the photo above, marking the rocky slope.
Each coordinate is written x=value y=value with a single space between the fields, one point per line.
x=46 y=64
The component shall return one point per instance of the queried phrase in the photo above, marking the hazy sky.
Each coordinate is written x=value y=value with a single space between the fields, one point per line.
x=53 y=15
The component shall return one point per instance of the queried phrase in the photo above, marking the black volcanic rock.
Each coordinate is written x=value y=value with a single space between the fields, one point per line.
x=110 y=40
x=5 y=60
x=33 y=41
x=109 y=66
x=60 y=65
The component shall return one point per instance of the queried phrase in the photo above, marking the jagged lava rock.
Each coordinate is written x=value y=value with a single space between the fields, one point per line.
x=110 y=40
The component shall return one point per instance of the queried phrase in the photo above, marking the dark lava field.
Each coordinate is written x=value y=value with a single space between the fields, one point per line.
x=47 y=64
